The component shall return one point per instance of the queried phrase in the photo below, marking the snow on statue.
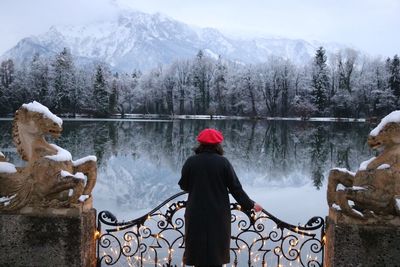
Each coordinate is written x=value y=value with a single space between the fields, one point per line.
x=375 y=187
x=50 y=178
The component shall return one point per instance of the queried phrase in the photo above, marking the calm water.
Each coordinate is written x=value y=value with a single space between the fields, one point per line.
x=283 y=165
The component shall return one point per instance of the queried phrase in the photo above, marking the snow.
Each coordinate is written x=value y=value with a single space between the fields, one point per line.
x=392 y=117
x=2 y=155
x=359 y=213
x=138 y=38
x=62 y=154
x=364 y=164
x=6 y=200
x=37 y=107
x=344 y=170
x=77 y=175
x=84 y=160
x=358 y=188
x=398 y=203
x=336 y=207
x=6 y=167
x=383 y=166
x=80 y=175
x=83 y=198
x=340 y=187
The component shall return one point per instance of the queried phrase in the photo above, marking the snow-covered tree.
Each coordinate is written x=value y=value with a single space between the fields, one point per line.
x=394 y=76
x=100 y=92
x=248 y=85
x=346 y=67
x=182 y=73
x=219 y=86
x=7 y=72
x=168 y=83
x=349 y=86
x=201 y=77
x=113 y=98
x=38 y=79
x=320 y=81
x=64 y=83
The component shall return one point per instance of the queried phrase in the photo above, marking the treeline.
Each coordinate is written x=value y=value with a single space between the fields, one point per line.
x=343 y=85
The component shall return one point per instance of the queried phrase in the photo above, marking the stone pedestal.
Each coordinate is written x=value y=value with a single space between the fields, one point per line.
x=48 y=237
x=363 y=244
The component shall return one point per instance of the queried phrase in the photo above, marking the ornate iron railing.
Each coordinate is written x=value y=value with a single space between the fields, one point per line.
x=157 y=238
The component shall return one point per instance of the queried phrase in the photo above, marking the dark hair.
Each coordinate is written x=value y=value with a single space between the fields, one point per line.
x=217 y=148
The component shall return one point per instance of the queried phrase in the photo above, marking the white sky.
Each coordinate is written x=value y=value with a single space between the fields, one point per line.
x=370 y=25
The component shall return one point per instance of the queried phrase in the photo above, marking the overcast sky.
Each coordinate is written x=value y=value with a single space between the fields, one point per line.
x=370 y=25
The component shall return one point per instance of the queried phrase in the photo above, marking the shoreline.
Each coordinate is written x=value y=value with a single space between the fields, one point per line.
x=166 y=118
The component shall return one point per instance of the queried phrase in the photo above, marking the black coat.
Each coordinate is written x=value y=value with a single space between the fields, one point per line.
x=207 y=177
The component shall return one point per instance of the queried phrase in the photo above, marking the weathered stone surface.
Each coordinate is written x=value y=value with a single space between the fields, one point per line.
x=361 y=245
x=374 y=190
x=49 y=174
x=45 y=239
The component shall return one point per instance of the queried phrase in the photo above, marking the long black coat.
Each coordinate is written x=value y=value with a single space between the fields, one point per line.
x=207 y=177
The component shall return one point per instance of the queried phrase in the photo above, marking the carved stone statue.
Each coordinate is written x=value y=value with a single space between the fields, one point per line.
x=50 y=178
x=373 y=192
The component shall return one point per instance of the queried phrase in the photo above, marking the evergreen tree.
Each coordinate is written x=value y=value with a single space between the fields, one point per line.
x=200 y=82
x=7 y=72
x=100 y=93
x=64 y=83
x=248 y=85
x=394 y=76
x=346 y=66
x=220 y=87
x=19 y=91
x=113 y=101
x=182 y=70
x=38 y=78
x=285 y=81
x=4 y=99
x=320 y=81
x=169 y=85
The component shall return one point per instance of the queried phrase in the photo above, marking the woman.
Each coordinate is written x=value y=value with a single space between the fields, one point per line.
x=208 y=176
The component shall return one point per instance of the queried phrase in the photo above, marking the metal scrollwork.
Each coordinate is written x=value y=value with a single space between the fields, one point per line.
x=157 y=238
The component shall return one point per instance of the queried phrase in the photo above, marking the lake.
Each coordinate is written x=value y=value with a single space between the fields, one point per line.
x=283 y=165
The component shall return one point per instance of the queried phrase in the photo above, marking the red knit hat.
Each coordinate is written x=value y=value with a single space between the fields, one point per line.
x=210 y=136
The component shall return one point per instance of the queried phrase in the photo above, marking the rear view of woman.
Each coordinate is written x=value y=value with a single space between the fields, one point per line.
x=209 y=178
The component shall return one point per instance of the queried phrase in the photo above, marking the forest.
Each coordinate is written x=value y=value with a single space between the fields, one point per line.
x=344 y=84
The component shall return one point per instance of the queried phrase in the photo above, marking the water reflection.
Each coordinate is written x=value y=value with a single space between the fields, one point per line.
x=140 y=161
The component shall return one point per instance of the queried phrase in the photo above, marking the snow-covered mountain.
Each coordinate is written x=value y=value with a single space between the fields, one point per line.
x=138 y=40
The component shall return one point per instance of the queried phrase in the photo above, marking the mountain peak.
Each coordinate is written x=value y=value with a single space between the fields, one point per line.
x=137 y=40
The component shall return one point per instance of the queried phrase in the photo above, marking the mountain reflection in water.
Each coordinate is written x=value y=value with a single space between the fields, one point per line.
x=283 y=165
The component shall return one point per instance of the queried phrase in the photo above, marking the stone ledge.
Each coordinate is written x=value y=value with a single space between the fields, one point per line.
x=361 y=245
x=48 y=237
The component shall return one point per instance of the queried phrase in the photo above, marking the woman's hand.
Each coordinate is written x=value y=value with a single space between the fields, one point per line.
x=257 y=207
